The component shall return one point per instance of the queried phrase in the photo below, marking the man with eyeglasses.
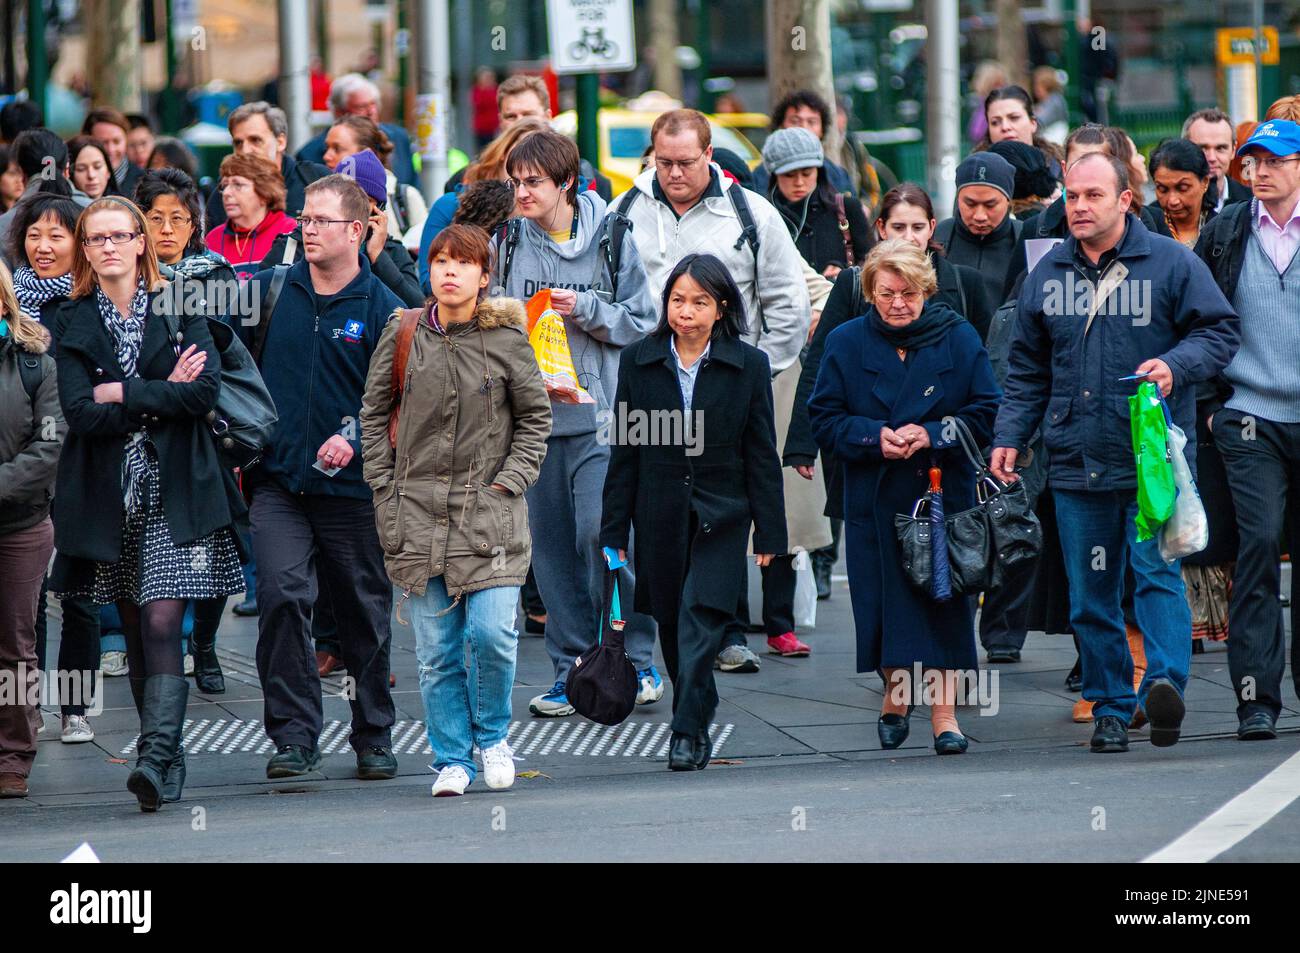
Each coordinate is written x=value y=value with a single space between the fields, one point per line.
x=311 y=510
x=263 y=130
x=1211 y=131
x=1254 y=418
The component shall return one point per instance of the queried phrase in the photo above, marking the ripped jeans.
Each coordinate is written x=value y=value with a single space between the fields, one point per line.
x=466 y=702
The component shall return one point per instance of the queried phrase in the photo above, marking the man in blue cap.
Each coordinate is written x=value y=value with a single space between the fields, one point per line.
x=1251 y=248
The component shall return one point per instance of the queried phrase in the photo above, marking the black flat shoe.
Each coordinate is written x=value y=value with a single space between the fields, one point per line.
x=1074 y=681
x=703 y=750
x=893 y=729
x=1109 y=735
x=950 y=742
x=1257 y=727
x=1165 y=711
x=293 y=761
x=682 y=755
x=1005 y=654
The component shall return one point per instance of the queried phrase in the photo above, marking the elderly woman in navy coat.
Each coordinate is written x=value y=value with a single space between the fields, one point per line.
x=887 y=381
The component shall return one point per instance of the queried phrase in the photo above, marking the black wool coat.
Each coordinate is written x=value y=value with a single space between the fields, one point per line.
x=199 y=496
x=732 y=481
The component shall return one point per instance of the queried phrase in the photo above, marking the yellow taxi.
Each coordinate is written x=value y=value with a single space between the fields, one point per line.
x=625 y=134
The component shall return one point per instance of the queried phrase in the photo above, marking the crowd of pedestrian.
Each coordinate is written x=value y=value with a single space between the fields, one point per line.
x=422 y=469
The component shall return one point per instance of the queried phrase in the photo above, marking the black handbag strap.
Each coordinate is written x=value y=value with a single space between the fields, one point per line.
x=970 y=446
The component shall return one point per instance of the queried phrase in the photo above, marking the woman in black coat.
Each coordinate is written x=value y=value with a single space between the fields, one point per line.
x=829 y=229
x=145 y=508
x=889 y=382
x=692 y=494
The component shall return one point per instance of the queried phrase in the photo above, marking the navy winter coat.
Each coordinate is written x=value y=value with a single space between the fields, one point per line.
x=1170 y=308
x=863 y=386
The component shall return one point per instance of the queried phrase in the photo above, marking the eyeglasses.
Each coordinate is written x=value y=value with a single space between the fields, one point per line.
x=666 y=165
x=177 y=222
x=235 y=186
x=531 y=183
x=306 y=222
x=888 y=297
x=113 y=238
x=1273 y=163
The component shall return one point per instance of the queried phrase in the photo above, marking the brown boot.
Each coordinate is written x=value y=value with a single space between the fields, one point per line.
x=1137 y=649
x=13 y=785
x=1082 y=713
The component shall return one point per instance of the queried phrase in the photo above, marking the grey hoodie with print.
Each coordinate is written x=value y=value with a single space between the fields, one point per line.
x=598 y=328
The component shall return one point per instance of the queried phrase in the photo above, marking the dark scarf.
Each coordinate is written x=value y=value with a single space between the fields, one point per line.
x=127 y=333
x=34 y=292
x=934 y=322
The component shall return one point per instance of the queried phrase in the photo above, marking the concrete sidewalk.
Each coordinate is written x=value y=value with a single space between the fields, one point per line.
x=793 y=710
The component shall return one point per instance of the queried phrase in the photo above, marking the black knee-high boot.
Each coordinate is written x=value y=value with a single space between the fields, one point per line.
x=162 y=721
x=203 y=644
x=174 y=777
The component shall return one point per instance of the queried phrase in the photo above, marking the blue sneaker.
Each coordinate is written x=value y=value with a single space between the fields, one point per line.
x=652 y=686
x=552 y=704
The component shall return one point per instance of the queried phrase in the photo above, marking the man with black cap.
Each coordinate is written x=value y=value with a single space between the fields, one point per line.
x=983 y=233
x=1251 y=248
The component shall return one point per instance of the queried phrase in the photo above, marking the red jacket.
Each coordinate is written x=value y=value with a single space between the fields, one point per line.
x=245 y=250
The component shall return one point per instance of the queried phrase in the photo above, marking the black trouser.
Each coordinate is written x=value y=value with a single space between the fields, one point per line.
x=532 y=596
x=324 y=627
x=830 y=554
x=299 y=540
x=78 y=641
x=690 y=642
x=778 y=602
x=1006 y=609
x=1262 y=460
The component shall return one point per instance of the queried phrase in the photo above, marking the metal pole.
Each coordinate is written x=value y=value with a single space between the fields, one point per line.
x=323 y=35
x=38 y=68
x=171 y=114
x=11 y=73
x=295 y=86
x=1073 y=65
x=1257 y=14
x=402 y=43
x=943 y=102
x=434 y=62
x=588 y=109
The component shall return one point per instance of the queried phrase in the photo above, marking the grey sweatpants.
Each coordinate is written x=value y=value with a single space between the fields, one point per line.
x=564 y=507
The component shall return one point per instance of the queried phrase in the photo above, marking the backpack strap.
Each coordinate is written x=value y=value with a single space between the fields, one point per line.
x=29 y=369
x=508 y=237
x=625 y=203
x=409 y=319
x=278 y=275
x=943 y=233
x=844 y=229
x=615 y=227
x=860 y=306
x=748 y=230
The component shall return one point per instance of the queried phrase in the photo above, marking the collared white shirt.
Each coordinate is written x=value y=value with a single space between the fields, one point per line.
x=1279 y=242
x=1223 y=194
x=686 y=375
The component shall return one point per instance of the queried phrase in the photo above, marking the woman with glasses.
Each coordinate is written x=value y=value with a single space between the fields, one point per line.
x=887 y=384
x=172 y=208
x=145 y=507
x=252 y=195
x=89 y=167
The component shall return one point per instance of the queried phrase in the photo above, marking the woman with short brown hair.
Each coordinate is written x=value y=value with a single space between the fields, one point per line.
x=253 y=196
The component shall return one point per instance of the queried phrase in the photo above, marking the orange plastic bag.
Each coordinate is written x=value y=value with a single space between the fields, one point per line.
x=551 y=346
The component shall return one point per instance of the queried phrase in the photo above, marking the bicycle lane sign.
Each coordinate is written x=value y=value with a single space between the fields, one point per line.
x=591 y=36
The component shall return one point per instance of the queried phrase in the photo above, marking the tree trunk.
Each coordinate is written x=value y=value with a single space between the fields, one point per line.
x=799 y=57
x=1013 y=45
x=113 y=52
x=663 y=30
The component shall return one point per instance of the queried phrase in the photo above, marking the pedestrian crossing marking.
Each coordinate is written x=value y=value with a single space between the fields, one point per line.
x=568 y=736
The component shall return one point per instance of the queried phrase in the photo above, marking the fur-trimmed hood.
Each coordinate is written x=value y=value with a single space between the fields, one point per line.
x=39 y=346
x=501 y=313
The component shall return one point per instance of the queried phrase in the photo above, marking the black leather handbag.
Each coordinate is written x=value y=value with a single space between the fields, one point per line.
x=602 y=684
x=1000 y=534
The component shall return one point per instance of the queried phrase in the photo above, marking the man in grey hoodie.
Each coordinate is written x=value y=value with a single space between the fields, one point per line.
x=557 y=245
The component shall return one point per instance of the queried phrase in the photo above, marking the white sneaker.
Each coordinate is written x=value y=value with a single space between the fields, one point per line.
x=451 y=782
x=76 y=730
x=499 y=766
x=113 y=664
x=187 y=664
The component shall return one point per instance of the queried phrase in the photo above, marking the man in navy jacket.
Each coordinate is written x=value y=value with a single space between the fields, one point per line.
x=1110 y=302
x=311 y=510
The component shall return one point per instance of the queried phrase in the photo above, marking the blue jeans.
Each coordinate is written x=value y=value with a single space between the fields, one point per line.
x=464 y=707
x=1097 y=536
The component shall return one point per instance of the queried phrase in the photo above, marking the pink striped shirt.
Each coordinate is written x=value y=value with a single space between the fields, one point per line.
x=1279 y=241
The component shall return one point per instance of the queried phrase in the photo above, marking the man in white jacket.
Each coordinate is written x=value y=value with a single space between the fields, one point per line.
x=682 y=205
x=685 y=204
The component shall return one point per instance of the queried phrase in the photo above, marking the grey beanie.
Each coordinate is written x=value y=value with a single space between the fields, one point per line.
x=794 y=148
x=987 y=168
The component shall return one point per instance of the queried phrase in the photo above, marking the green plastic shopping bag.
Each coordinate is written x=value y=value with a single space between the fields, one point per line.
x=1155 y=471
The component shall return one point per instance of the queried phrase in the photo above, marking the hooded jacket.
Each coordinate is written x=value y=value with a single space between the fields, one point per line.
x=598 y=328
x=989 y=254
x=773 y=287
x=474 y=412
x=31 y=435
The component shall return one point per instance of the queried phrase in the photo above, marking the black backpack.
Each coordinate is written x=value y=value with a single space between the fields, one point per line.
x=602 y=684
x=615 y=226
x=29 y=369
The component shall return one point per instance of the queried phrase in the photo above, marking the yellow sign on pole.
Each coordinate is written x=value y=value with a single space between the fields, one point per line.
x=1235 y=46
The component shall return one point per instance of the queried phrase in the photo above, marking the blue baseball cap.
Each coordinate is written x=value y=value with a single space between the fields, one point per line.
x=1279 y=136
